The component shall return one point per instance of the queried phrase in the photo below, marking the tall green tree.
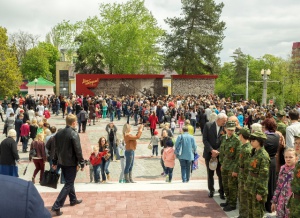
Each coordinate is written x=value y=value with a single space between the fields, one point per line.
x=195 y=39
x=128 y=38
x=10 y=75
x=52 y=55
x=36 y=64
x=90 y=60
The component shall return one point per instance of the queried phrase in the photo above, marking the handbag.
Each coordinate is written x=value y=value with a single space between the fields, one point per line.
x=32 y=152
x=107 y=156
x=50 y=179
x=94 y=114
x=150 y=146
x=25 y=137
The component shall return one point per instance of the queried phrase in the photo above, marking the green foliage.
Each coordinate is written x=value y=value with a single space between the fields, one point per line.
x=35 y=64
x=63 y=35
x=283 y=83
x=89 y=58
x=40 y=61
x=129 y=38
x=10 y=76
x=196 y=38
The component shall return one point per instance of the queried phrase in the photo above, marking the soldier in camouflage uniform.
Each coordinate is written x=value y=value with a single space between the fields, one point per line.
x=244 y=162
x=258 y=176
x=281 y=126
x=294 y=203
x=229 y=157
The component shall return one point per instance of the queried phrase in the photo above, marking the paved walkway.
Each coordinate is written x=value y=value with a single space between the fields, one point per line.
x=149 y=197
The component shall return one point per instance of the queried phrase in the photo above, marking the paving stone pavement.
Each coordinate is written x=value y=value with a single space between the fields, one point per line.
x=149 y=197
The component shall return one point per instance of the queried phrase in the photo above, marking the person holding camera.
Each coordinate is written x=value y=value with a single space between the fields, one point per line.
x=131 y=142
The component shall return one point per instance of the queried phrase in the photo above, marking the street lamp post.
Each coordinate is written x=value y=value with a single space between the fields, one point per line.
x=265 y=76
x=35 y=82
x=64 y=90
x=247 y=82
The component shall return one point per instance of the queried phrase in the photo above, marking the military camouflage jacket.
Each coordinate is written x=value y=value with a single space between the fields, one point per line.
x=296 y=179
x=281 y=127
x=229 y=153
x=244 y=160
x=258 y=176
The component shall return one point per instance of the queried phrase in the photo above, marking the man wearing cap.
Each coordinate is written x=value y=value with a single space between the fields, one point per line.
x=293 y=129
x=294 y=202
x=258 y=176
x=281 y=126
x=229 y=158
x=244 y=162
x=211 y=139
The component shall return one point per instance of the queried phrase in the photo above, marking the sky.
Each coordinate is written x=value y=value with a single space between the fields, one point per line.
x=258 y=27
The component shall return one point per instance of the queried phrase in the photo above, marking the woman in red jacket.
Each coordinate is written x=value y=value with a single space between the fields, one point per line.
x=40 y=158
x=24 y=133
x=153 y=120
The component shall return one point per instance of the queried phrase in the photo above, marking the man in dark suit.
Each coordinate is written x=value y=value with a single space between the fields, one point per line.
x=211 y=139
x=19 y=198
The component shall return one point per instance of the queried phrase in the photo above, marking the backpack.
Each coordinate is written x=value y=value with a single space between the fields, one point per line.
x=84 y=116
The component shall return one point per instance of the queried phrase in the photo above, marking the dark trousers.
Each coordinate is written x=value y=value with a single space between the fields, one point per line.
x=83 y=125
x=113 y=150
x=210 y=177
x=152 y=131
x=68 y=189
x=39 y=166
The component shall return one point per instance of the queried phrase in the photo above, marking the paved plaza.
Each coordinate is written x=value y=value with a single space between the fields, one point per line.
x=151 y=196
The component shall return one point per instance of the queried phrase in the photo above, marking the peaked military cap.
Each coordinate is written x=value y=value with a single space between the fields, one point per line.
x=258 y=134
x=244 y=131
x=280 y=114
x=230 y=125
x=230 y=114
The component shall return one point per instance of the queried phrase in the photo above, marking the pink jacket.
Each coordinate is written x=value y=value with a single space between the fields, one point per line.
x=169 y=157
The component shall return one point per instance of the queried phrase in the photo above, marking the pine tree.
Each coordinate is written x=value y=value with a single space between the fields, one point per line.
x=196 y=38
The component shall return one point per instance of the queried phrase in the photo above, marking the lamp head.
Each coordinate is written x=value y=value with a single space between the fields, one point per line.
x=35 y=80
x=262 y=72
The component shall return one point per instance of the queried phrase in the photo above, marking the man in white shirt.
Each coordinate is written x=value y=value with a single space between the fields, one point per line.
x=9 y=110
x=293 y=129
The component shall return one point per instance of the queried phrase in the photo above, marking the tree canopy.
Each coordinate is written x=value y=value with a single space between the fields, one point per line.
x=195 y=40
x=123 y=39
x=40 y=61
x=283 y=83
x=10 y=75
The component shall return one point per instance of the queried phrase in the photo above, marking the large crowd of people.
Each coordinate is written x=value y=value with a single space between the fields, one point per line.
x=256 y=148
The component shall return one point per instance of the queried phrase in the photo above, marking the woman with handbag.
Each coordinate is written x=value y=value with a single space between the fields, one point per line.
x=103 y=146
x=185 y=148
x=9 y=155
x=24 y=133
x=38 y=155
